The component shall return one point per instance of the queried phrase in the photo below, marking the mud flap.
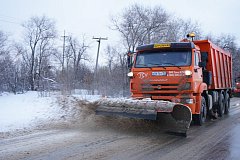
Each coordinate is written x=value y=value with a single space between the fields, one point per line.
x=183 y=117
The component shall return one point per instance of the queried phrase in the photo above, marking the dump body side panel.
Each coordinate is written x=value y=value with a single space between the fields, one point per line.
x=219 y=63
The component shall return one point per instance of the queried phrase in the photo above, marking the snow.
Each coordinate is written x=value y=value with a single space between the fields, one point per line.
x=27 y=110
x=23 y=110
x=85 y=95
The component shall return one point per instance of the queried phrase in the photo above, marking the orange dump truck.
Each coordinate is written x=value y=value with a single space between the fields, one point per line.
x=188 y=79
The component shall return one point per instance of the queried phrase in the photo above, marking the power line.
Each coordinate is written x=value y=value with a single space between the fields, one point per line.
x=10 y=22
x=6 y=16
x=9 y=19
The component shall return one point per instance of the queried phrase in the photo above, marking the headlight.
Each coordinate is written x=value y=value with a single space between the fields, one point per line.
x=130 y=74
x=187 y=101
x=188 y=73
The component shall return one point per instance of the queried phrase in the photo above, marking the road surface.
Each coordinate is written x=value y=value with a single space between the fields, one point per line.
x=109 y=138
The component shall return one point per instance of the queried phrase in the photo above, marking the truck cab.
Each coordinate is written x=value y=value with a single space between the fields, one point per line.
x=168 y=71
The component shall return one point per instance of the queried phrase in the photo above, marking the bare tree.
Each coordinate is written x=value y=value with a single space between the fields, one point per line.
x=112 y=78
x=3 y=43
x=189 y=26
x=5 y=62
x=74 y=68
x=78 y=52
x=20 y=67
x=178 y=28
x=110 y=57
x=39 y=32
x=9 y=68
x=138 y=25
x=144 y=25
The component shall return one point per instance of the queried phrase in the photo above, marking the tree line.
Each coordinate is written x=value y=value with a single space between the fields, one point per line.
x=38 y=62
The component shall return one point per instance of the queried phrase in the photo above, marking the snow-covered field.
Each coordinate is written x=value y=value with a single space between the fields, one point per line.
x=28 y=110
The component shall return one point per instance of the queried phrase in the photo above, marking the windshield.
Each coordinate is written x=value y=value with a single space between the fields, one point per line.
x=163 y=58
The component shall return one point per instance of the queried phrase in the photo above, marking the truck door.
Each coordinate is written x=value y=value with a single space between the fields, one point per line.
x=197 y=74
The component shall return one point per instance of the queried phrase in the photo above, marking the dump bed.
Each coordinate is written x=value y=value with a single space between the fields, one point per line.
x=219 y=62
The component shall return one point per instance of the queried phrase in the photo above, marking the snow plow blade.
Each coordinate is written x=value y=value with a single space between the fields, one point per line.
x=146 y=109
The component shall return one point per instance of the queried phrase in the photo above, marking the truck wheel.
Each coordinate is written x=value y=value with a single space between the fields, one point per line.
x=221 y=106
x=227 y=104
x=201 y=118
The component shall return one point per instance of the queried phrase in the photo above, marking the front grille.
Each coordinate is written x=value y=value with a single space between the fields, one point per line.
x=167 y=92
x=159 y=87
x=166 y=87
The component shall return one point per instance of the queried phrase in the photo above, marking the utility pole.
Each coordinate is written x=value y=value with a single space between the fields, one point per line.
x=63 y=55
x=64 y=78
x=96 y=67
x=99 y=42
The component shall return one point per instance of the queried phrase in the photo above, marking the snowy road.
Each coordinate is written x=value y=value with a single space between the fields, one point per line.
x=108 y=138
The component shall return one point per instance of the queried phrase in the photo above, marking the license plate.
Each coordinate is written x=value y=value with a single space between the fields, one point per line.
x=159 y=73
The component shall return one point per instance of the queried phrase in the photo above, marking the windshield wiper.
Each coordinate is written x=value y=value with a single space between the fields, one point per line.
x=156 y=65
x=171 y=65
x=142 y=65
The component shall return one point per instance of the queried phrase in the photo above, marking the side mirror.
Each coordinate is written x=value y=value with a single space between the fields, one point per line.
x=130 y=59
x=202 y=64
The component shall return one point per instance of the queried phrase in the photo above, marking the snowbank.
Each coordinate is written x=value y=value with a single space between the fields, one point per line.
x=25 y=110
x=28 y=110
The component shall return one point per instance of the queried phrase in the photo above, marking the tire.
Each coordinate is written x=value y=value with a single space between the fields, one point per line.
x=227 y=104
x=201 y=118
x=221 y=106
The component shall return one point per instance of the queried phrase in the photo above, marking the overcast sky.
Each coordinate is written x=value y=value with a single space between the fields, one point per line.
x=92 y=17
